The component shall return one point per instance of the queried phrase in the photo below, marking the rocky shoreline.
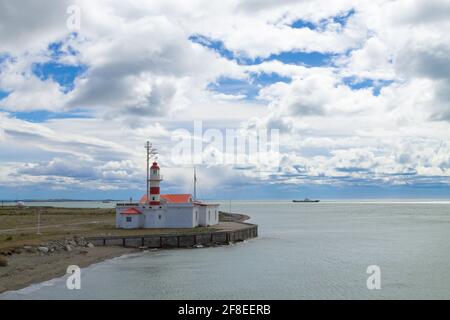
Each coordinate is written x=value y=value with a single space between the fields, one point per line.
x=29 y=267
x=28 y=264
x=67 y=244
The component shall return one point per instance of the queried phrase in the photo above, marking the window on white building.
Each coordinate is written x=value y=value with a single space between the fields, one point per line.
x=129 y=219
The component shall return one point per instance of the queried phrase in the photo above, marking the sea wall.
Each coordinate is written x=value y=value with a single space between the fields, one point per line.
x=244 y=232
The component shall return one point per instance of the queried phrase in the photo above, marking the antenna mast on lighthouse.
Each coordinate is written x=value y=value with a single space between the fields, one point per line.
x=150 y=153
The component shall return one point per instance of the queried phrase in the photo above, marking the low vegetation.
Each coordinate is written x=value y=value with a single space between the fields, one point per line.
x=18 y=226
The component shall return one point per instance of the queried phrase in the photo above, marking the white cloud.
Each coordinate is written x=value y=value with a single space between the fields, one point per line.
x=144 y=78
x=30 y=26
x=26 y=91
x=372 y=61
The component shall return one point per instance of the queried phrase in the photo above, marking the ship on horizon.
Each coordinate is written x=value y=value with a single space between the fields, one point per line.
x=305 y=200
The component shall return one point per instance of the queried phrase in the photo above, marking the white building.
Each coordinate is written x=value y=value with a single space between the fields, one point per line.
x=165 y=210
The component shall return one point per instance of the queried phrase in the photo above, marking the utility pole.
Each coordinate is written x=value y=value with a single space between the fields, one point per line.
x=38 y=232
x=195 y=184
x=150 y=152
x=148 y=165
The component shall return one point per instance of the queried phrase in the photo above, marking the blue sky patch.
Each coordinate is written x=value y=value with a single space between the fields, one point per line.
x=63 y=74
x=215 y=45
x=357 y=84
x=234 y=87
x=3 y=57
x=343 y=18
x=3 y=94
x=42 y=115
x=57 y=49
x=300 y=24
x=340 y=19
x=313 y=59
x=267 y=79
x=250 y=88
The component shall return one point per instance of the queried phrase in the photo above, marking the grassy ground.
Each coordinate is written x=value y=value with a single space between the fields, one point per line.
x=18 y=225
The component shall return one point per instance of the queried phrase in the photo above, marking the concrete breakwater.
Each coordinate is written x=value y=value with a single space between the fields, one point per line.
x=238 y=231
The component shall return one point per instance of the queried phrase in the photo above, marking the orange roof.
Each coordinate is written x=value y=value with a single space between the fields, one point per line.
x=131 y=211
x=177 y=198
x=172 y=198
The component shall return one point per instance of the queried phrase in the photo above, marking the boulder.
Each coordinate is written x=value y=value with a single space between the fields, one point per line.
x=3 y=261
x=72 y=243
x=90 y=245
x=43 y=249
x=81 y=242
x=30 y=249
x=68 y=248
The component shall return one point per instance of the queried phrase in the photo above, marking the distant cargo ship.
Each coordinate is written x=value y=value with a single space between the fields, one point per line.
x=305 y=200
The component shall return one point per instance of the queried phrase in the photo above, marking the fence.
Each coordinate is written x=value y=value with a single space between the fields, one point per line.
x=178 y=240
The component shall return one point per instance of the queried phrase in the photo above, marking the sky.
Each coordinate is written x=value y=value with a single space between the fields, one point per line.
x=358 y=91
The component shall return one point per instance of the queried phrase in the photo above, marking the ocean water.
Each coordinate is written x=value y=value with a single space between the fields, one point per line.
x=304 y=251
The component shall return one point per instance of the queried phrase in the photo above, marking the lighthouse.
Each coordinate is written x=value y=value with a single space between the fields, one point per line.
x=155 y=179
x=156 y=210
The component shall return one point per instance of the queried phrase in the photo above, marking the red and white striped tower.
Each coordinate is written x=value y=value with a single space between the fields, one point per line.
x=155 y=179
